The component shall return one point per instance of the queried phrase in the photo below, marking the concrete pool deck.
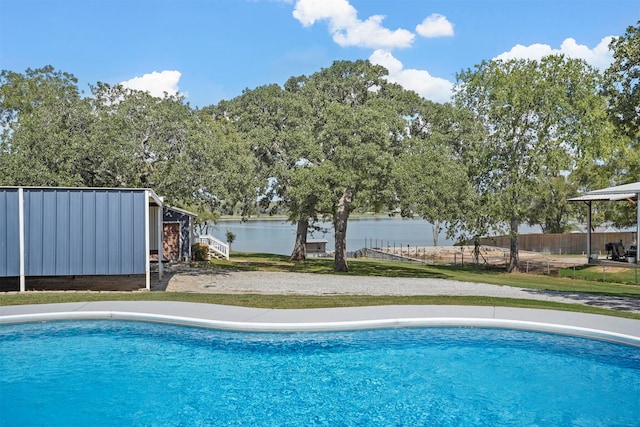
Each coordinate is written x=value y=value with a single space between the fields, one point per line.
x=323 y=319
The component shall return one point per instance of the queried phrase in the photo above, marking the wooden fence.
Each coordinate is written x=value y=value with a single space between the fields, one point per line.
x=568 y=243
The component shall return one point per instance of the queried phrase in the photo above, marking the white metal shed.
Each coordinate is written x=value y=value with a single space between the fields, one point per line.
x=56 y=231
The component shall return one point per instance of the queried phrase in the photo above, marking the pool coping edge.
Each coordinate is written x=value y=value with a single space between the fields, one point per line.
x=458 y=318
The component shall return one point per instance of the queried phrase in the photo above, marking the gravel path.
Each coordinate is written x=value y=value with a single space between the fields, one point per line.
x=261 y=282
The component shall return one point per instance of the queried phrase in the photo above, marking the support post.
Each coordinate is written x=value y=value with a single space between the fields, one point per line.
x=147 y=242
x=160 y=232
x=21 y=237
x=589 y=232
x=637 y=231
x=192 y=235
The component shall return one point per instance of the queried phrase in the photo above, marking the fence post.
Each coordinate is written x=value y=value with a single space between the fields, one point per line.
x=548 y=268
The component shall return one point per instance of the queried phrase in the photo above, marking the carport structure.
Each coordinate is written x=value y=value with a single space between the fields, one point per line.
x=63 y=233
x=627 y=192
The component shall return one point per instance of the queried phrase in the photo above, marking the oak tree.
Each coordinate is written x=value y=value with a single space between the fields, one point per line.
x=542 y=118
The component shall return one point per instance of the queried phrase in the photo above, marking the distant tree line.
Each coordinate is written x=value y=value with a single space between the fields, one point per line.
x=519 y=138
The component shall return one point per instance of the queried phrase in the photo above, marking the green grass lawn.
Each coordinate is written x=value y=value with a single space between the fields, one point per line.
x=605 y=274
x=361 y=267
x=468 y=273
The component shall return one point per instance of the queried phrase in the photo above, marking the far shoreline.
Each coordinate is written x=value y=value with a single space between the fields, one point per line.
x=284 y=217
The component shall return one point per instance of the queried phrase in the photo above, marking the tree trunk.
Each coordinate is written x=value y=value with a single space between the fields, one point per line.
x=340 y=227
x=514 y=258
x=436 y=232
x=300 y=248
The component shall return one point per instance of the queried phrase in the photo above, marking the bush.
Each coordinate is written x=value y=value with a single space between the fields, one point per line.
x=200 y=252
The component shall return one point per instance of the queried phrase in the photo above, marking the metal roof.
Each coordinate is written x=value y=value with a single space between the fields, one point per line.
x=153 y=196
x=633 y=187
x=604 y=197
x=182 y=211
x=620 y=192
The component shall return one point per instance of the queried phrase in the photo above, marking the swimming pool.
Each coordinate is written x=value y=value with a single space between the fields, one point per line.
x=136 y=373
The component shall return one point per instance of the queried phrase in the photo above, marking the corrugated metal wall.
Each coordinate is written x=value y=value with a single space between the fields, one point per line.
x=79 y=232
x=9 y=234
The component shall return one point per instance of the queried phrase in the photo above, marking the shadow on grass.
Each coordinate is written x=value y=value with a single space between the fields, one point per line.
x=480 y=273
x=603 y=273
x=244 y=261
x=619 y=302
x=372 y=268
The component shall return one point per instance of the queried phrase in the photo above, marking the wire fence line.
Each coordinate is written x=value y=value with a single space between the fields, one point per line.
x=530 y=262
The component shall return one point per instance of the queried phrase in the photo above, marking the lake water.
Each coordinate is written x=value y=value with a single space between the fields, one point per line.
x=277 y=236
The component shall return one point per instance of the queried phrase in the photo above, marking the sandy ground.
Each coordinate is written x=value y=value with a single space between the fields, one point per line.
x=530 y=261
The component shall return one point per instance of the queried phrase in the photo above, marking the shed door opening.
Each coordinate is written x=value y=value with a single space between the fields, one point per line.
x=171 y=241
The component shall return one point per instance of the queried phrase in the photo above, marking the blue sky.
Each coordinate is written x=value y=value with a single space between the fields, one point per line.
x=209 y=50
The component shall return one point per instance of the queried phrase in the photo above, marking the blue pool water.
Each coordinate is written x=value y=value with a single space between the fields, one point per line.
x=128 y=373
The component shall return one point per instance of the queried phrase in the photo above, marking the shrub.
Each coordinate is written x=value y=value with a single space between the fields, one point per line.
x=200 y=252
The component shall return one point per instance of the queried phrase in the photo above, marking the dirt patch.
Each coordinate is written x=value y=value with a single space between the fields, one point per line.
x=530 y=262
x=607 y=269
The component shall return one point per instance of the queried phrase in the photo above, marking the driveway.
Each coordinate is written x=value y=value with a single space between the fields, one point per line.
x=277 y=283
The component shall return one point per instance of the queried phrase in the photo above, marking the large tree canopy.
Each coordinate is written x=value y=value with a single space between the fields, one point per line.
x=432 y=172
x=357 y=126
x=623 y=81
x=44 y=126
x=622 y=88
x=521 y=138
x=118 y=137
x=276 y=124
x=327 y=142
x=542 y=118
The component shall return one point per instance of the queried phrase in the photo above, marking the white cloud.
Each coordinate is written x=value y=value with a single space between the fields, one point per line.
x=387 y=60
x=433 y=88
x=345 y=27
x=435 y=25
x=339 y=13
x=156 y=83
x=600 y=56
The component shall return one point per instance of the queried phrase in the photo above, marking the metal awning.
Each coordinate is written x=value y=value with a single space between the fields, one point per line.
x=620 y=192
x=633 y=187
x=604 y=197
x=628 y=192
